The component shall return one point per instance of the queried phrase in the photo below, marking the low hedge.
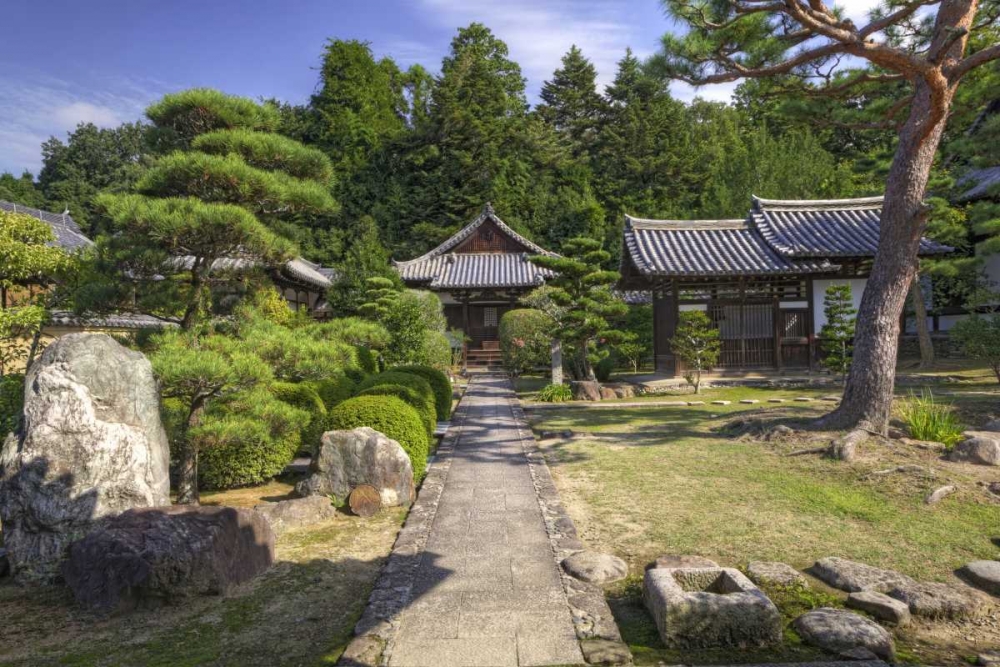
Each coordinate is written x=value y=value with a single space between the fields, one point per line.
x=423 y=404
x=334 y=391
x=304 y=396
x=11 y=403
x=390 y=416
x=405 y=379
x=439 y=383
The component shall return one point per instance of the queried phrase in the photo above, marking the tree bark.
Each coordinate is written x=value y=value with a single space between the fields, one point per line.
x=920 y=315
x=557 y=363
x=187 y=472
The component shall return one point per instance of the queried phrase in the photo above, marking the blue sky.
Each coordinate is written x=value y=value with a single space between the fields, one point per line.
x=67 y=61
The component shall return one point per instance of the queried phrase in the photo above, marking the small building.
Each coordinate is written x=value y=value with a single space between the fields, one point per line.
x=761 y=279
x=479 y=274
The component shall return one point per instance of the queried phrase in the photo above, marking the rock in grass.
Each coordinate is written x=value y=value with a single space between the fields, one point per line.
x=936 y=600
x=851 y=576
x=766 y=573
x=288 y=514
x=749 y=401
x=839 y=631
x=585 y=390
x=722 y=402
x=984 y=575
x=979 y=447
x=939 y=494
x=595 y=568
x=881 y=606
x=605 y=652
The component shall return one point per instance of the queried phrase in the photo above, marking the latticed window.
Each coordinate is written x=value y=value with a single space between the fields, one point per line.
x=489 y=316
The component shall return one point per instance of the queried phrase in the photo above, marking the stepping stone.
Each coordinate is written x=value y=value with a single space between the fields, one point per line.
x=881 y=606
x=674 y=561
x=696 y=402
x=605 y=652
x=595 y=568
x=721 y=402
x=839 y=631
x=749 y=401
x=851 y=576
x=765 y=573
x=777 y=400
x=933 y=600
x=803 y=399
x=832 y=399
x=984 y=575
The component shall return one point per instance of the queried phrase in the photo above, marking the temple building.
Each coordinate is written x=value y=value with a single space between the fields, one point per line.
x=760 y=279
x=479 y=273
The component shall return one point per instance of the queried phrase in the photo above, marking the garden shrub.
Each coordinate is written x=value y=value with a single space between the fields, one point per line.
x=436 y=350
x=335 y=390
x=555 y=393
x=390 y=416
x=304 y=397
x=525 y=340
x=928 y=420
x=604 y=368
x=404 y=378
x=440 y=384
x=11 y=403
x=366 y=360
x=423 y=404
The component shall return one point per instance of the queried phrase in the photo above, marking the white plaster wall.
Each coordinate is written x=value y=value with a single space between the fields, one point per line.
x=692 y=306
x=819 y=292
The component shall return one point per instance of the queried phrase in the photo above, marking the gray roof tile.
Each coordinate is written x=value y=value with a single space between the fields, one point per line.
x=67 y=232
x=982 y=184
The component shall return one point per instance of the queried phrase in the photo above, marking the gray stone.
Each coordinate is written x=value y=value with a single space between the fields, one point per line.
x=803 y=399
x=992 y=425
x=159 y=554
x=675 y=561
x=984 y=575
x=289 y=514
x=623 y=390
x=710 y=607
x=364 y=651
x=934 y=600
x=880 y=606
x=988 y=658
x=585 y=390
x=722 y=402
x=979 y=447
x=851 y=576
x=92 y=447
x=994 y=488
x=595 y=568
x=608 y=394
x=839 y=631
x=749 y=401
x=347 y=459
x=940 y=494
x=765 y=573
x=696 y=402
x=605 y=652
x=777 y=400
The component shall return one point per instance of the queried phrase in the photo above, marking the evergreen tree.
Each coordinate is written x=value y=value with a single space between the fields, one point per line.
x=837 y=335
x=365 y=258
x=21 y=190
x=571 y=104
x=696 y=343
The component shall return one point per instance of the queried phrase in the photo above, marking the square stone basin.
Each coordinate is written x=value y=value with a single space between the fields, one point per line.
x=710 y=607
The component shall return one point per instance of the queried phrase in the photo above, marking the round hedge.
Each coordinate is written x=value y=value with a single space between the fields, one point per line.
x=335 y=390
x=390 y=416
x=305 y=397
x=439 y=383
x=409 y=380
x=424 y=405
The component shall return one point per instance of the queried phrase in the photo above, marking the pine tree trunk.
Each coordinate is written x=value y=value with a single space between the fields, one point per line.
x=869 y=389
x=187 y=471
x=557 y=363
x=923 y=333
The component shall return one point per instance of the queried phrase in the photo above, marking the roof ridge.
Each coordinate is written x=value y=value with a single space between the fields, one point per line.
x=807 y=204
x=651 y=223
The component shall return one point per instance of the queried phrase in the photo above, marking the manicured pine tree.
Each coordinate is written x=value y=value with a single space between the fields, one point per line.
x=696 y=343
x=837 y=335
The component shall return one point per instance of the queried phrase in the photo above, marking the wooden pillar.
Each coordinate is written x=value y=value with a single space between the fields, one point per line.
x=811 y=323
x=465 y=333
x=665 y=314
x=777 y=332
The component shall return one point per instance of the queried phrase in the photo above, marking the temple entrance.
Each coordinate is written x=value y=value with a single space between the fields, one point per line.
x=747 y=333
x=484 y=323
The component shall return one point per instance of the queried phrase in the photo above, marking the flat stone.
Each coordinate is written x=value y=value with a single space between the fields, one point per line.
x=851 y=576
x=710 y=608
x=364 y=651
x=595 y=568
x=830 y=398
x=605 y=652
x=749 y=401
x=674 y=561
x=935 y=600
x=696 y=402
x=839 y=631
x=765 y=573
x=803 y=399
x=881 y=606
x=984 y=575
x=940 y=494
x=979 y=447
x=297 y=512
x=777 y=400
x=722 y=402
x=674 y=404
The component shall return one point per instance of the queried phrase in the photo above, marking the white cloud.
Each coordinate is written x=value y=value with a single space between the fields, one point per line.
x=857 y=10
x=75 y=113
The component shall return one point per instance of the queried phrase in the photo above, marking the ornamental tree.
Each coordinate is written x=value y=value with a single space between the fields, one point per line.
x=584 y=303
x=837 y=335
x=696 y=343
x=813 y=47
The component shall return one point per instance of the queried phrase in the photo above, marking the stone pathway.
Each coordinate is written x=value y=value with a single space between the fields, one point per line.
x=486 y=589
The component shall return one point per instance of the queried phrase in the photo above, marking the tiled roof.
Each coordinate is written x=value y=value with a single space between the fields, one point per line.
x=824 y=227
x=67 y=232
x=297 y=269
x=706 y=248
x=984 y=183
x=112 y=321
x=469 y=270
x=635 y=297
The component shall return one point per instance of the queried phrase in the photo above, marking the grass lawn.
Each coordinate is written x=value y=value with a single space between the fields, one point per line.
x=301 y=612
x=656 y=480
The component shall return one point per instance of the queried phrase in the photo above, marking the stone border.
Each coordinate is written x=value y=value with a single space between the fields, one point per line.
x=592 y=618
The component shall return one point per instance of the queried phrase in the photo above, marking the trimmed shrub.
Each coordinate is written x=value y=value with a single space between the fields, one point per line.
x=525 y=339
x=304 y=397
x=11 y=403
x=366 y=360
x=423 y=404
x=440 y=384
x=604 y=368
x=555 y=393
x=335 y=390
x=404 y=378
x=436 y=350
x=390 y=416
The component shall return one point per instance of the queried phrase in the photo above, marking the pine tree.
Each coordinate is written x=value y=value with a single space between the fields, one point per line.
x=365 y=258
x=571 y=104
x=696 y=343
x=837 y=335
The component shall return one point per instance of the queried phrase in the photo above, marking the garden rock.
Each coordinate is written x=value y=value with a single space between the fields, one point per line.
x=984 y=575
x=934 y=600
x=623 y=390
x=839 y=631
x=288 y=514
x=152 y=555
x=979 y=447
x=940 y=494
x=710 y=607
x=992 y=425
x=880 y=606
x=994 y=488
x=92 y=447
x=851 y=576
x=764 y=573
x=608 y=394
x=845 y=448
x=347 y=459
x=595 y=568
x=722 y=402
x=585 y=390
x=674 y=561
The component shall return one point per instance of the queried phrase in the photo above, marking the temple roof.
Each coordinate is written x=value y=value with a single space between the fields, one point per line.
x=444 y=268
x=67 y=232
x=981 y=184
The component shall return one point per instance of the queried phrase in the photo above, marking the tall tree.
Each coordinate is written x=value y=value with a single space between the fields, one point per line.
x=802 y=44
x=21 y=190
x=571 y=104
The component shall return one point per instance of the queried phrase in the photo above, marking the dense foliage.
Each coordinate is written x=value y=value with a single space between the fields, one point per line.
x=390 y=416
x=837 y=335
x=11 y=403
x=525 y=339
x=440 y=384
x=421 y=403
x=979 y=338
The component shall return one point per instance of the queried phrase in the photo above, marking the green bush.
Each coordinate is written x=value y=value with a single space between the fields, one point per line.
x=555 y=393
x=928 y=420
x=440 y=384
x=390 y=416
x=11 y=403
x=525 y=340
x=246 y=440
x=304 y=397
x=404 y=378
x=366 y=360
x=604 y=368
x=423 y=404
x=335 y=390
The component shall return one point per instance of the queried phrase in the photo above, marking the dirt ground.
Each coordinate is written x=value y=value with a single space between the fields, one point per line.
x=301 y=612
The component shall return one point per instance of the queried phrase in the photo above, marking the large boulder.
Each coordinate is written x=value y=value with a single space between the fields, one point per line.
x=92 y=446
x=980 y=447
x=585 y=390
x=298 y=512
x=347 y=459
x=152 y=555
x=841 y=632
